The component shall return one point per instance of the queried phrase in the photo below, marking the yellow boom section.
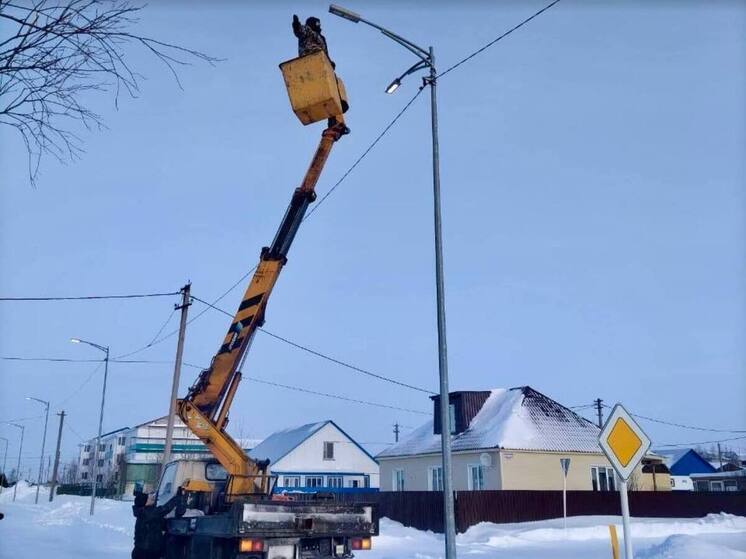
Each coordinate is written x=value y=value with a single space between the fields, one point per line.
x=205 y=409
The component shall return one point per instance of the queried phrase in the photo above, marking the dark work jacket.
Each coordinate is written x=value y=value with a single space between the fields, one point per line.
x=149 y=524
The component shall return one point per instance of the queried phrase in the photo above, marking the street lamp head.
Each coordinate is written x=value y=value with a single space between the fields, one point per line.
x=393 y=86
x=344 y=13
x=74 y=340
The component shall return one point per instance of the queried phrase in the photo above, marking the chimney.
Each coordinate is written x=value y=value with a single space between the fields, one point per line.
x=465 y=405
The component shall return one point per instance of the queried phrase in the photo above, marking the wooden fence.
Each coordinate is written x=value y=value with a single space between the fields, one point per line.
x=424 y=509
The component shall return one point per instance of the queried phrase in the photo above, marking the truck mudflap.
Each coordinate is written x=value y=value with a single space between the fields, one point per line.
x=308 y=520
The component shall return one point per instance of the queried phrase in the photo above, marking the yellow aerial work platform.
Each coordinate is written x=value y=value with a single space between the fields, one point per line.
x=315 y=91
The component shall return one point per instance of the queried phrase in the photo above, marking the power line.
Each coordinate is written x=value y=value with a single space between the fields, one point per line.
x=488 y=45
x=335 y=396
x=702 y=442
x=82 y=384
x=681 y=425
x=344 y=364
x=364 y=154
x=89 y=297
x=157 y=340
x=324 y=356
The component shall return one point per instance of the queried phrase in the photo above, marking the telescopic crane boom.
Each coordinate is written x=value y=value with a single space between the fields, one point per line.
x=206 y=406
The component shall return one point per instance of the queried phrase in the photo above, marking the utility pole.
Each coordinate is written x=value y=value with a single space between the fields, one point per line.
x=720 y=457
x=56 y=457
x=599 y=405
x=177 y=373
x=5 y=456
x=396 y=432
x=18 y=467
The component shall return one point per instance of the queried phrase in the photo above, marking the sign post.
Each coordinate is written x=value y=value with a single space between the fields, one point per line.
x=565 y=464
x=624 y=443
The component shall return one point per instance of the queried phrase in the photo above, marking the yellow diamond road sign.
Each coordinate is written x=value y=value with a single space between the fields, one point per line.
x=623 y=441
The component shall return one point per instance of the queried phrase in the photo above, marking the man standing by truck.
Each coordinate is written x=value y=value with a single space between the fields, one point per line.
x=149 y=525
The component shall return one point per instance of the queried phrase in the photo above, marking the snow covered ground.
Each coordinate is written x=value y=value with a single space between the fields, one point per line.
x=64 y=530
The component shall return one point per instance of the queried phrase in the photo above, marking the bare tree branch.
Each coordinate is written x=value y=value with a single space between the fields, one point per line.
x=62 y=49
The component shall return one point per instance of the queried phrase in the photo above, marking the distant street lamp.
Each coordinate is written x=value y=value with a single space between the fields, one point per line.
x=43 y=443
x=94 y=470
x=427 y=60
x=20 y=449
x=5 y=455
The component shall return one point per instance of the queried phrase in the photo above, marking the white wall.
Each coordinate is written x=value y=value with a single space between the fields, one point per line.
x=309 y=457
x=682 y=483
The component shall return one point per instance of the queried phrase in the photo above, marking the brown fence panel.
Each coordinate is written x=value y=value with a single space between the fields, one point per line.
x=685 y=504
x=424 y=509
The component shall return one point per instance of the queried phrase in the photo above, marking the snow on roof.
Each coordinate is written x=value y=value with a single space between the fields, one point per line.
x=516 y=419
x=672 y=456
x=735 y=473
x=280 y=443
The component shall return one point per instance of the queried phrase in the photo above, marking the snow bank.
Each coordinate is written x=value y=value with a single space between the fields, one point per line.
x=688 y=547
x=64 y=529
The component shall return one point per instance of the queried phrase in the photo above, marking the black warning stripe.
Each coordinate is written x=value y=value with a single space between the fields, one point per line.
x=226 y=348
x=250 y=302
x=244 y=323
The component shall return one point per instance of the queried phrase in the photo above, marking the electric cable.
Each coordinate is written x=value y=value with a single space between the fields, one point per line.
x=364 y=154
x=324 y=356
x=89 y=297
x=488 y=45
x=335 y=396
x=681 y=425
x=699 y=443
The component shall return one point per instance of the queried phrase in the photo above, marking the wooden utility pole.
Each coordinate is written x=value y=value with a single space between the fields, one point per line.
x=396 y=432
x=177 y=373
x=599 y=411
x=56 y=457
x=720 y=457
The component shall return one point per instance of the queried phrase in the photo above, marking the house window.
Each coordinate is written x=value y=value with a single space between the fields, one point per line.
x=121 y=441
x=673 y=482
x=334 y=481
x=398 y=480
x=476 y=477
x=314 y=481
x=100 y=462
x=366 y=483
x=86 y=461
x=101 y=447
x=701 y=486
x=87 y=448
x=84 y=475
x=355 y=483
x=328 y=450
x=435 y=478
x=99 y=478
x=602 y=478
x=292 y=481
x=716 y=486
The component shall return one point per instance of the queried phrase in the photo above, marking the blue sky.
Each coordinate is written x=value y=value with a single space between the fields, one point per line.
x=593 y=206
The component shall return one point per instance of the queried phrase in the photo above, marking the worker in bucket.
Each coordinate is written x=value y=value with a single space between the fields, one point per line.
x=310 y=39
x=149 y=524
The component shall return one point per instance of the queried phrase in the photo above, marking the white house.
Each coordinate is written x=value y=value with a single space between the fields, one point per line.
x=318 y=457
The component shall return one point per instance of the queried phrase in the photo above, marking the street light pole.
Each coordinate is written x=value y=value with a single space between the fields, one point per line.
x=20 y=449
x=43 y=444
x=427 y=60
x=94 y=467
x=5 y=456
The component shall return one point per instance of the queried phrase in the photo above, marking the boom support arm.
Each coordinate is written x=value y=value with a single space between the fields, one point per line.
x=206 y=406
